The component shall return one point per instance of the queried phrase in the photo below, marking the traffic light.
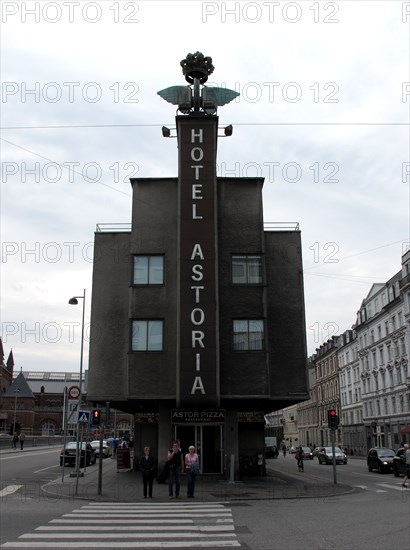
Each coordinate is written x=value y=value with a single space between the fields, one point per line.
x=96 y=417
x=332 y=419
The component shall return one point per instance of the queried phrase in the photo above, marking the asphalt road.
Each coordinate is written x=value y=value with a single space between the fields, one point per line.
x=375 y=516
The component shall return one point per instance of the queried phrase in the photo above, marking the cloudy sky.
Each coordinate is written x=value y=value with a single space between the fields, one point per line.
x=323 y=115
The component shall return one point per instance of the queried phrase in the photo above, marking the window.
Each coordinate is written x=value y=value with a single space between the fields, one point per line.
x=148 y=270
x=248 y=335
x=147 y=335
x=247 y=270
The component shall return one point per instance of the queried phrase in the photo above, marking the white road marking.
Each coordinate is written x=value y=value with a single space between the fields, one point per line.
x=43 y=469
x=20 y=454
x=129 y=526
x=10 y=489
x=394 y=487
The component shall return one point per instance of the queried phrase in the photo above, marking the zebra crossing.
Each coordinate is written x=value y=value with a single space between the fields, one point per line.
x=127 y=525
x=385 y=487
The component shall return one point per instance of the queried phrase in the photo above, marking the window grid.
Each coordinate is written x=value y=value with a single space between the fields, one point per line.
x=248 y=335
x=247 y=269
x=148 y=270
x=147 y=335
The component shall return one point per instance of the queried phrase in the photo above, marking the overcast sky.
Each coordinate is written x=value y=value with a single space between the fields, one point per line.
x=323 y=115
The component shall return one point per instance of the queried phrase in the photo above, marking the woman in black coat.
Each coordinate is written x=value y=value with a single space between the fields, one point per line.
x=147 y=466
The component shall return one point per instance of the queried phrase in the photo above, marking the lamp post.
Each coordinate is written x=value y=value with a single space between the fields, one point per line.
x=74 y=301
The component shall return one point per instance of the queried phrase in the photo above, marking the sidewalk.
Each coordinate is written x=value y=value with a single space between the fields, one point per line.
x=126 y=486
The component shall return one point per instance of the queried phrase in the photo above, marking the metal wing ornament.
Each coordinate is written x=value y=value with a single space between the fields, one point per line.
x=196 y=68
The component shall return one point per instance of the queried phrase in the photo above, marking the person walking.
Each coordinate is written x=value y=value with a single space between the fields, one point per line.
x=407 y=461
x=147 y=466
x=14 y=440
x=192 y=470
x=175 y=465
x=284 y=451
x=299 y=457
x=22 y=440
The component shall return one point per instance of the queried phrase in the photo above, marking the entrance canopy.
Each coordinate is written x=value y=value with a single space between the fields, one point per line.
x=405 y=430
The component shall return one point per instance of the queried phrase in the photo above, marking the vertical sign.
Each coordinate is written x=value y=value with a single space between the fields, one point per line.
x=198 y=298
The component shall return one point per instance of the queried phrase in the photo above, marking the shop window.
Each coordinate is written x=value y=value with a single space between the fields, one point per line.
x=247 y=269
x=148 y=270
x=248 y=335
x=147 y=335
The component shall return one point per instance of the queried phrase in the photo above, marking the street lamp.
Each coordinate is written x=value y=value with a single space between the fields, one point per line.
x=73 y=302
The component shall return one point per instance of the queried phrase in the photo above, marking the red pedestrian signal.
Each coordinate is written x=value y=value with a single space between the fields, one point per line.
x=332 y=419
x=96 y=417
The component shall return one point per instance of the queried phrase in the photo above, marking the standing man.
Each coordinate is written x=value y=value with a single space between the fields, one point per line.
x=176 y=465
x=22 y=439
x=407 y=460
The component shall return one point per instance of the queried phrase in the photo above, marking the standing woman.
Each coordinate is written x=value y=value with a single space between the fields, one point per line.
x=147 y=465
x=192 y=470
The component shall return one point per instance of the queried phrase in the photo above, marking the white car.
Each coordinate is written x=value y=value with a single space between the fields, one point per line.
x=106 y=450
x=325 y=456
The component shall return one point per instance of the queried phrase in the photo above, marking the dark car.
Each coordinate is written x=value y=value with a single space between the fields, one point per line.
x=307 y=453
x=399 y=462
x=380 y=459
x=87 y=454
x=325 y=456
x=271 y=452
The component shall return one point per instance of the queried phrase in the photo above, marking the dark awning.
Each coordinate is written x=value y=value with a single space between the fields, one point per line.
x=405 y=430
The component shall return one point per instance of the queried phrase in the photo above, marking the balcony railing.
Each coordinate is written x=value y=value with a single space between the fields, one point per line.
x=113 y=228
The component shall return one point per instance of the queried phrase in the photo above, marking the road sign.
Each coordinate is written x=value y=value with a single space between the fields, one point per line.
x=84 y=417
x=74 y=392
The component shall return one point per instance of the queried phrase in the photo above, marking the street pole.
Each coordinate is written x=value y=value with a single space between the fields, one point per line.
x=74 y=301
x=65 y=421
x=333 y=435
x=100 y=459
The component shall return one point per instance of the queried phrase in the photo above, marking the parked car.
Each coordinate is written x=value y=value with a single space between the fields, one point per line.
x=380 y=459
x=106 y=450
x=307 y=453
x=325 y=456
x=293 y=450
x=399 y=462
x=271 y=452
x=87 y=454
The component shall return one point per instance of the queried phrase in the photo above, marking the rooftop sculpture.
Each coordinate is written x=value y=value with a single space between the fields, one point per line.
x=193 y=99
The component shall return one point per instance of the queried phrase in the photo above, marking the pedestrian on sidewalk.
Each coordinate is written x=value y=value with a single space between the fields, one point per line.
x=22 y=440
x=14 y=440
x=192 y=470
x=407 y=460
x=147 y=465
x=176 y=466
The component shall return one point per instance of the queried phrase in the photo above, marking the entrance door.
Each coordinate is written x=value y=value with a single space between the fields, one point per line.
x=207 y=441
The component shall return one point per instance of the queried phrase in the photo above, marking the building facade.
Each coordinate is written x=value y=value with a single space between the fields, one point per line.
x=383 y=363
x=374 y=376
x=197 y=324
x=353 y=429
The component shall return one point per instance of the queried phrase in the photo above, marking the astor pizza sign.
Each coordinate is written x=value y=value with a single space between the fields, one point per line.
x=198 y=359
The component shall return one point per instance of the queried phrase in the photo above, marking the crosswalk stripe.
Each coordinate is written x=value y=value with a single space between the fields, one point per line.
x=124 y=544
x=394 y=487
x=136 y=526
x=105 y=536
